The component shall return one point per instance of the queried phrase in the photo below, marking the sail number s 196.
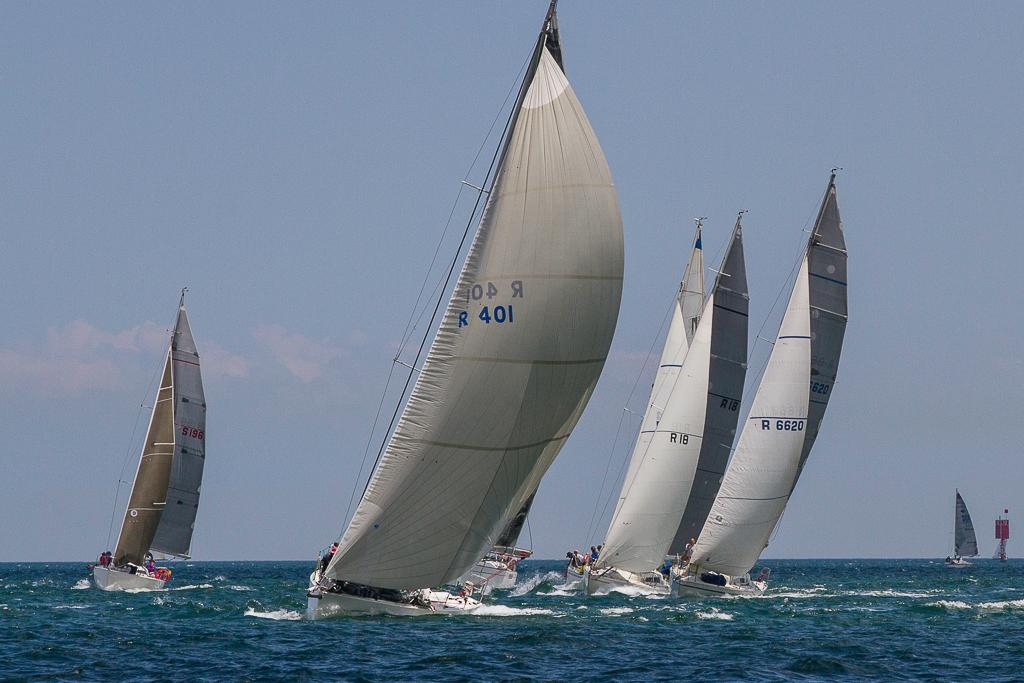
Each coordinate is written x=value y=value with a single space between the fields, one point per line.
x=192 y=431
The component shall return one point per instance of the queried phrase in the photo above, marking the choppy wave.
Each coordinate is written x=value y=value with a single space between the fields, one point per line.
x=237 y=614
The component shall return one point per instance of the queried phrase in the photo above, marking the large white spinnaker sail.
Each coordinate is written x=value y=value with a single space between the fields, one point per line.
x=965 y=542
x=516 y=357
x=787 y=409
x=665 y=458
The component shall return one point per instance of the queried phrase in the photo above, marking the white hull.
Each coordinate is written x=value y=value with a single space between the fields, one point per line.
x=601 y=581
x=323 y=604
x=690 y=586
x=575 y=578
x=114 y=580
x=957 y=562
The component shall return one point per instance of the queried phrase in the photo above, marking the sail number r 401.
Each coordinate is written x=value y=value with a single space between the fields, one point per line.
x=496 y=314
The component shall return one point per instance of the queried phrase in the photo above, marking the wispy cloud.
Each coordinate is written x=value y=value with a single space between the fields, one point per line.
x=218 y=361
x=303 y=357
x=80 y=357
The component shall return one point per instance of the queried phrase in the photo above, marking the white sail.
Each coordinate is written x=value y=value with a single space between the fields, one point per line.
x=787 y=408
x=665 y=459
x=177 y=521
x=685 y=317
x=515 y=359
x=965 y=542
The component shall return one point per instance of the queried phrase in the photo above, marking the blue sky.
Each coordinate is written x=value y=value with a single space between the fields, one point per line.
x=294 y=166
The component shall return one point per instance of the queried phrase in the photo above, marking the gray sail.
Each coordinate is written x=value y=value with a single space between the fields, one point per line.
x=965 y=543
x=510 y=534
x=174 y=533
x=516 y=357
x=149 y=490
x=787 y=408
x=826 y=270
x=725 y=390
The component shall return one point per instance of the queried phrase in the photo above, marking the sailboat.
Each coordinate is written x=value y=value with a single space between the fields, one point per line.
x=513 y=363
x=498 y=569
x=783 y=422
x=965 y=542
x=692 y=413
x=164 y=500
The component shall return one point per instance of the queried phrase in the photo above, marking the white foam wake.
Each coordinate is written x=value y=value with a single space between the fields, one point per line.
x=276 y=615
x=615 y=611
x=506 y=611
x=82 y=584
x=714 y=613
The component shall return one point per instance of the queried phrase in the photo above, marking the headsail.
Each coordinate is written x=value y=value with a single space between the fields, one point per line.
x=665 y=459
x=174 y=533
x=787 y=409
x=509 y=536
x=149 y=491
x=515 y=359
x=727 y=374
x=685 y=317
x=965 y=542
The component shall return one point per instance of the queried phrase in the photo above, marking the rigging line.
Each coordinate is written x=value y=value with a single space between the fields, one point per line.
x=407 y=333
x=622 y=416
x=499 y=152
x=128 y=449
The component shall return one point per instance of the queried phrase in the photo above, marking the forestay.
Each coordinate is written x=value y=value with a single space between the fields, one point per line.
x=174 y=533
x=518 y=352
x=965 y=542
x=787 y=409
x=665 y=458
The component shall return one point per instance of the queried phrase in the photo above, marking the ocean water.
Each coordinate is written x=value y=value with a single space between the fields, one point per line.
x=834 y=619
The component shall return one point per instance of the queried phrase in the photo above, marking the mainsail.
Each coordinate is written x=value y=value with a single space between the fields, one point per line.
x=788 y=407
x=965 y=542
x=516 y=356
x=165 y=495
x=701 y=391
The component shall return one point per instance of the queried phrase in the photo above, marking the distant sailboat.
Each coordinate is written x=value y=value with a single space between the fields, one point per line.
x=965 y=542
x=783 y=423
x=517 y=355
x=162 y=508
x=690 y=419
